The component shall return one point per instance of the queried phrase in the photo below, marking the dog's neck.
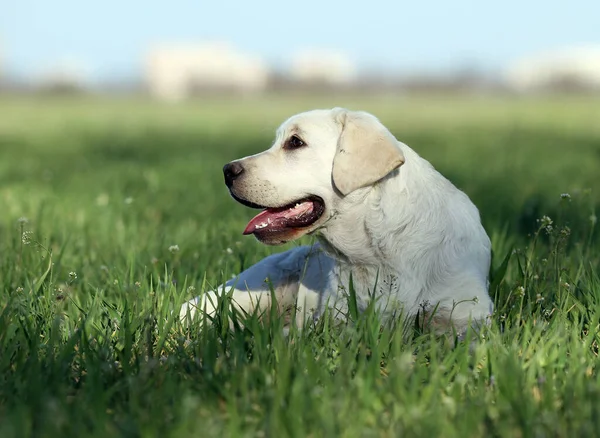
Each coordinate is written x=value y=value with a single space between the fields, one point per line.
x=378 y=232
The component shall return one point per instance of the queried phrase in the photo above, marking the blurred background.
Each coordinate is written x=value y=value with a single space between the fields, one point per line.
x=182 y=50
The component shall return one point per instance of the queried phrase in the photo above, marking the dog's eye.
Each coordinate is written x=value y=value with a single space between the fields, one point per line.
x=294 y=142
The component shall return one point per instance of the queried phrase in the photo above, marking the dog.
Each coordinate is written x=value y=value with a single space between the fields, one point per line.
x=410 y=242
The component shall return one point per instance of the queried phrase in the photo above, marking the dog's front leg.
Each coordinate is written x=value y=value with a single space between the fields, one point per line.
x=244 y=301
x=251 y=291
x=302 y=280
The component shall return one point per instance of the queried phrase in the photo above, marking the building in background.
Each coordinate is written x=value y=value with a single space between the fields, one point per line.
x=179 y=71
x=569 y=69
x=322 y=67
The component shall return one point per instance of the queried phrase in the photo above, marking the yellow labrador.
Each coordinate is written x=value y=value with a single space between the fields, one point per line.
x=410 y=239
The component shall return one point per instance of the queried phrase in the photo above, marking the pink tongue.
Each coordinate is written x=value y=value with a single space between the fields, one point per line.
x=273 y=219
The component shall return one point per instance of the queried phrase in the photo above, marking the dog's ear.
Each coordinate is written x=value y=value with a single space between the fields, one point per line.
x=366 y=151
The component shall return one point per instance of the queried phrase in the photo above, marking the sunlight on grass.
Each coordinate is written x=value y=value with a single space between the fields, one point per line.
x=114 y=213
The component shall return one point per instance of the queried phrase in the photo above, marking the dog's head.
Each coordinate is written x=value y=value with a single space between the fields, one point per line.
x=318 y=158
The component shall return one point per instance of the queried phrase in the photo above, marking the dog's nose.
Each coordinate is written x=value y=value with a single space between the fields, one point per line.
x=232 y=171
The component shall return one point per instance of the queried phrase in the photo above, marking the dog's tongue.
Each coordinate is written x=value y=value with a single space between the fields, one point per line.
x=276 y=219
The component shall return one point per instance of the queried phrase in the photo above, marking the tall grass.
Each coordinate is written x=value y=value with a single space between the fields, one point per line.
x=114 y=213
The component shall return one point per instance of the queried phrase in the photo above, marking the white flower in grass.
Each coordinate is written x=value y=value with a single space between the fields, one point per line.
x=173 y=249
x=73 y=275
x=128 y=200
x=23 y=220
x=26 y=237
x=565 y=196
x=546 y=221
x=593 y=219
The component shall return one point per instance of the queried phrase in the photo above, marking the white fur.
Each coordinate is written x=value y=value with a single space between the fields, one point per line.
x=411 y=233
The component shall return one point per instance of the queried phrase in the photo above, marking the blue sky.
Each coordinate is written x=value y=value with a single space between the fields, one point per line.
x=110 y=37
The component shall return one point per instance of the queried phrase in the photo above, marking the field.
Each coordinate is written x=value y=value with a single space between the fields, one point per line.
x=113 y=212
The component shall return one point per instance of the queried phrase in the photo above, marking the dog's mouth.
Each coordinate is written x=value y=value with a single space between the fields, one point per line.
x=297 y=215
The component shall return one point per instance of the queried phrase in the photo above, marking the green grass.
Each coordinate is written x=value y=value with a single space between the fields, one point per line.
x=88 y=346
